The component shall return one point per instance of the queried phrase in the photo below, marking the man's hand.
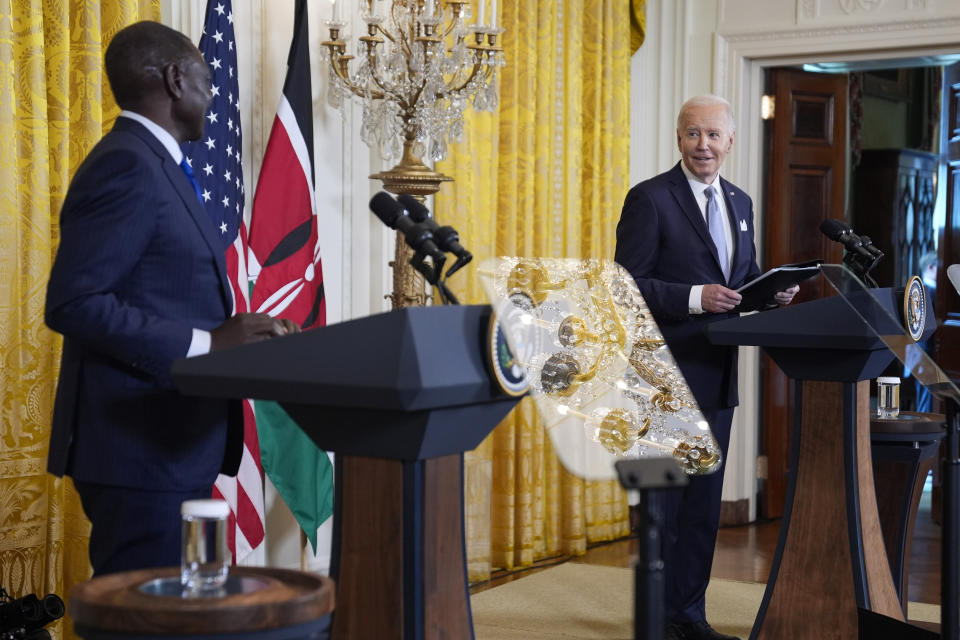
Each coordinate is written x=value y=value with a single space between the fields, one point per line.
x=716 y=298
x=245 y=328
x=785 y=297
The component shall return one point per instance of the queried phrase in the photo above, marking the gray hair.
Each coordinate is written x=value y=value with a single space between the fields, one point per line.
x=708 y=100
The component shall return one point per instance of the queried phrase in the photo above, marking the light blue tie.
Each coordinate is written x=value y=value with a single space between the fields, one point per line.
x=192 y=178
x=715 y=224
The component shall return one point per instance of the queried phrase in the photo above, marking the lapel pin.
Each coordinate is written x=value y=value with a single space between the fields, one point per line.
x=731 y=193
x=743 y=225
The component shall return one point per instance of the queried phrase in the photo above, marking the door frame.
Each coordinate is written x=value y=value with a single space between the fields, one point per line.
x=739 y=61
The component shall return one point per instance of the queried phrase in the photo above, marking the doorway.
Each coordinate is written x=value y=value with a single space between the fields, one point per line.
x=874 y=169
x=738 y=72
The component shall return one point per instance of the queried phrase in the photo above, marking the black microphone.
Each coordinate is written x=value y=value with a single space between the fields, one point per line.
x=446 y=237
x=418 y=236
x=840 y=232
x=872 y=248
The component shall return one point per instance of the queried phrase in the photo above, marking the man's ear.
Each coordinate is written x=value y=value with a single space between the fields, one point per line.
x=173 y=80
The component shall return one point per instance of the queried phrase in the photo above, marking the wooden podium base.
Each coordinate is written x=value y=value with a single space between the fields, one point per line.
x=399 y=550
x=831 y=559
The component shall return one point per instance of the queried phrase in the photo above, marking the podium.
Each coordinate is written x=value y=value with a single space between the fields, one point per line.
x=398 y=397
x=830 y=568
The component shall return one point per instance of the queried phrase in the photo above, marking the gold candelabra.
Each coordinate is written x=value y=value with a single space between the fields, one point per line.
x=418 y=67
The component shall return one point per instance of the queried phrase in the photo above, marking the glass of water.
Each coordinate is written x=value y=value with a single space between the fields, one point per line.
x=204 y=557
x=888 y=397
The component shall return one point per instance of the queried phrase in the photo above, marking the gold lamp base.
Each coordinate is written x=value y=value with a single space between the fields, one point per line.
x=415 y=180
x=410 y=177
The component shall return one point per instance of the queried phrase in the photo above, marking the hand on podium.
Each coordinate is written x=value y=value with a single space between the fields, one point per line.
x=716 y=298
x=245 y=328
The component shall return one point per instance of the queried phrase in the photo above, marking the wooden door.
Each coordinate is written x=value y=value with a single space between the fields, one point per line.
x=806 y=164
x=947 y=301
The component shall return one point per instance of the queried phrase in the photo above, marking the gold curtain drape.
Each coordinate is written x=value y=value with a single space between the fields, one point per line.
x=545 y=176
x=54 y=106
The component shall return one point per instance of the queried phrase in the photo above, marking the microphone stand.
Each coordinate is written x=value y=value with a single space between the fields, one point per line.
x=862 y=266
x=651 y=476
x=431 y=275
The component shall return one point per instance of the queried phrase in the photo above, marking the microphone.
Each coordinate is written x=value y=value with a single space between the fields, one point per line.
x=446 y=237
x=869 y=246
x=418 y=236
x=840 y=232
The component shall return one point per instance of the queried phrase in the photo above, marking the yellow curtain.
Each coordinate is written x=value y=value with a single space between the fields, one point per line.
x=54 y=105
x=638 y=24
x=544 y=176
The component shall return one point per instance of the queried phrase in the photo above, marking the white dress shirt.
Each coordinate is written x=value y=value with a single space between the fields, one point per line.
x=698 y=187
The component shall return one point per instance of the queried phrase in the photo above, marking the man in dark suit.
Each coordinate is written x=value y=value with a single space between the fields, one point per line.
x=686 y=236
x=138 y=281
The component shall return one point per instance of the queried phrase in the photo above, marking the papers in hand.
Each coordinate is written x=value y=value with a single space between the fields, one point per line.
x=759 y=293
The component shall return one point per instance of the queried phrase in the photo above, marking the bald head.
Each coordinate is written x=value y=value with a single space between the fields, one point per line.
x=706 y=101
x=136 y=59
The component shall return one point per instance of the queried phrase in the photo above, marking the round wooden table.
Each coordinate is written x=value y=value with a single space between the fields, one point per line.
x=256 y=604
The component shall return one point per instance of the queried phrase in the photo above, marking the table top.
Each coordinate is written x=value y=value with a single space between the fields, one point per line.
x=274 y=598
x=927 y=426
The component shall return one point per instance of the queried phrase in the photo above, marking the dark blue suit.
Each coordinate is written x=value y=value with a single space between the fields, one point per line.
x=138 y=267
x=663 y=241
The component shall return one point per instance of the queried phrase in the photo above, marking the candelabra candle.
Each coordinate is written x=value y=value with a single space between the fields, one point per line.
x=416 y=72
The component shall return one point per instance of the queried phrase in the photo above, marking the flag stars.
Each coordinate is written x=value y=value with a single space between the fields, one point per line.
x=230 y=124
x=238 y=182
x=214 y=89
x=230 y=17
x=229 y=45
x=230 y=70
x=226 y=201
x=215 y=63
x=229 y=151
x=223 y=228
x=208 y=169
x=219 y=9
x=210 y=143
x=218 y=36
x=226 y=175
x=212 y=117
x=206 y=196
x=189 y=161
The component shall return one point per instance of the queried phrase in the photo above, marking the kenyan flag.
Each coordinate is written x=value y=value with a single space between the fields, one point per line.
x=284 y=267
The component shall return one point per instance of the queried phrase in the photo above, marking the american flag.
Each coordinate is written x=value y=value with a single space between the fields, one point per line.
x=216 y=162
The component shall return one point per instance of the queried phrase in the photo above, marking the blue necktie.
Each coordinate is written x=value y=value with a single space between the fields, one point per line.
x=192 y=178
x=715 y=224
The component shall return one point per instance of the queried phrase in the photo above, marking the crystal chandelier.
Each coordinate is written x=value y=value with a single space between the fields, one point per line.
x=420 y=65
x=601 y=375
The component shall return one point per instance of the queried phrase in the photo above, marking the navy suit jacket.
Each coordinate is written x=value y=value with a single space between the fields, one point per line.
x=663 y=241
x=138 y=267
